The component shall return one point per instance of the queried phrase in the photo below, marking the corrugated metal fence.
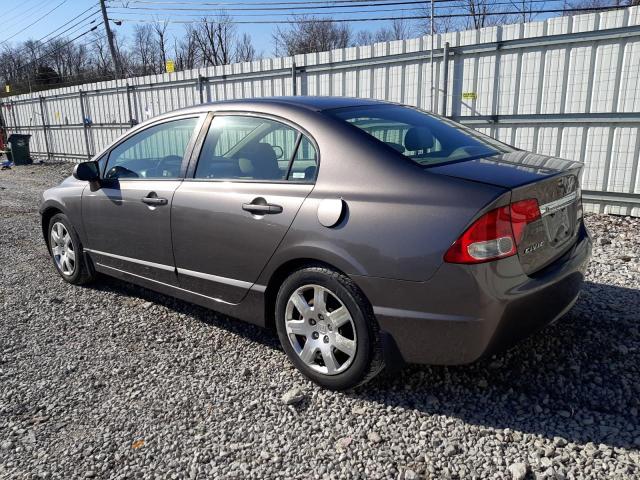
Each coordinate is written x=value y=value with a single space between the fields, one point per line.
x=567 y=86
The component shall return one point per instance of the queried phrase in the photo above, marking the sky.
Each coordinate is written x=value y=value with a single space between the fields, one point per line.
x=17 y=15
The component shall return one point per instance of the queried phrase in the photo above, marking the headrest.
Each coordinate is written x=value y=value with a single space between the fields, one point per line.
x=418 y=138
x=246 y=166
x=264 y=151
x=260 y=162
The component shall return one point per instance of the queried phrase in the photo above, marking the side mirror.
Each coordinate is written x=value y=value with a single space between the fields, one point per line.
x=87 y=171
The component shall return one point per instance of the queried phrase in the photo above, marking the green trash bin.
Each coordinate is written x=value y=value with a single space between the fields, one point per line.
x=19 y=154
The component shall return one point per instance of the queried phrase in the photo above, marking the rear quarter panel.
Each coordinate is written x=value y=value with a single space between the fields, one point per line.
x=399 y=218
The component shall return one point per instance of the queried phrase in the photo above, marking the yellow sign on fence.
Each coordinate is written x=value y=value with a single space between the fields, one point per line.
x=170 y=66
x=469 y=95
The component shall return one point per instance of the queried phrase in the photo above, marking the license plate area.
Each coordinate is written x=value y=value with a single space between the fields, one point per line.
x=559 y=226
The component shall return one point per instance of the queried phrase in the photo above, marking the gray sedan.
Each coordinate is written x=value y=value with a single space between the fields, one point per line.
x=366 y=233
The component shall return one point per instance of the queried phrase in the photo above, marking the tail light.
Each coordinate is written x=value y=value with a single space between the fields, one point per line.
x=522 y=214
x=494 y=235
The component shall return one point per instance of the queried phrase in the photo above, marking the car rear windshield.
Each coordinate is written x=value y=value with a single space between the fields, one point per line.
x=426 y=139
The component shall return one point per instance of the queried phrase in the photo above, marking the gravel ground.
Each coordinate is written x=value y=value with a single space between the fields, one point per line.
x=115 y=381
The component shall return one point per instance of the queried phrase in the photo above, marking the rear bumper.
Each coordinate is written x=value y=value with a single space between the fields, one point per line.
x=465 y=312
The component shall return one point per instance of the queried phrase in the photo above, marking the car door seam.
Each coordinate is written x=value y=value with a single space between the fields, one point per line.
x=173 y=252
x=278 y=245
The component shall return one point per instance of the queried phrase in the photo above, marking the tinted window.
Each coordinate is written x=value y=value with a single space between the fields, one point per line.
x=246 y=148
x=155 y=152
x=305 y=163
x=424 y=138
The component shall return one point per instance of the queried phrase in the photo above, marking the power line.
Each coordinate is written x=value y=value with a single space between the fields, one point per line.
x=321 y=20
x=351 y=12
x=23 y=13
x=35 y=21
x=281 y=14
x=226 y=4
x=57 y=49
x=390 y=18
x=72 y=28
x=77 y=27
x=71 y=20
x=305 y=7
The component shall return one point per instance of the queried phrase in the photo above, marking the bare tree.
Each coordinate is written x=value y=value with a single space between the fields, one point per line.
x=525 y=9
x=160 y=29
x=214 y=38
x=145 y=49
x=399 y=29
x=33 y=49
x=245 y=52
x=441 y=24
x=15 y=68
x=101 y=55
x=311 y=34
x=572 y=6
x=482 y=13
x=185 y=50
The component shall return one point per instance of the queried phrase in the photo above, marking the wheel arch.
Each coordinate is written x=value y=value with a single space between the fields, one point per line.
x=278 y=277
x=46 y=214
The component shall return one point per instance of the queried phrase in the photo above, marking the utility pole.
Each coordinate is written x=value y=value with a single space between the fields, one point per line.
x=433 y=72
x=112 y=47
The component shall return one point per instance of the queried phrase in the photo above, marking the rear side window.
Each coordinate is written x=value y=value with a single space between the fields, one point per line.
x=253 y=148
x=305 y=163
x=155 y=152
x=424 y=138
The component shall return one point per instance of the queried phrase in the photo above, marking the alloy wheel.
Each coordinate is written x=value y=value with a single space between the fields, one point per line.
x=62 y=249
x=320 y=329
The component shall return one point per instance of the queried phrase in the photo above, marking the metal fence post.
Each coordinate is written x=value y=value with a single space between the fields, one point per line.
x=294 y=82
x=201 y=81
x=132 y=121
x=44 y=127
x=3 y=123
x=445 y=79
x=85 y=126
x=15 y=117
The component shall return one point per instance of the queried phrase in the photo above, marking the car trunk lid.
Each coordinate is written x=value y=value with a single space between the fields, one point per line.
x=553 y=182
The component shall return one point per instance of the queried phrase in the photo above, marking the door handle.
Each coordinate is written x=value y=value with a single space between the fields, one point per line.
x=259 y=206
x=153 y=199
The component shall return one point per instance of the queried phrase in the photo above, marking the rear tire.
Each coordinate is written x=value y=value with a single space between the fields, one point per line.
x=66 y=251
x=327 y=328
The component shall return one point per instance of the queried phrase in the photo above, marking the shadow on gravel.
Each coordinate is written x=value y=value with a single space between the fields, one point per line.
x=210 y=317
x=578 y=379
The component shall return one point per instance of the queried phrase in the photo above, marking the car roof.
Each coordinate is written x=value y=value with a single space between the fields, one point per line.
x=308 y=102
x=284 y=106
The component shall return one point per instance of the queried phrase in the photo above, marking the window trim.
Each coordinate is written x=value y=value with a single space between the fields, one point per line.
x=293 y=156
x=195 y=155
x=200 y=116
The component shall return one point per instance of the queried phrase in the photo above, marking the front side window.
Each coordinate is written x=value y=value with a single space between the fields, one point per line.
x=424 y=138
x=247 y=148
x=155 y=152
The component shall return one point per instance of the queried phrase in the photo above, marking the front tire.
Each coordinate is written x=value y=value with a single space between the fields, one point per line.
x=327 y=328
x=66 y=251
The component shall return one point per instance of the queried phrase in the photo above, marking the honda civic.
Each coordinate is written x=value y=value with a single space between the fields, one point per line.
x=365 y=233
